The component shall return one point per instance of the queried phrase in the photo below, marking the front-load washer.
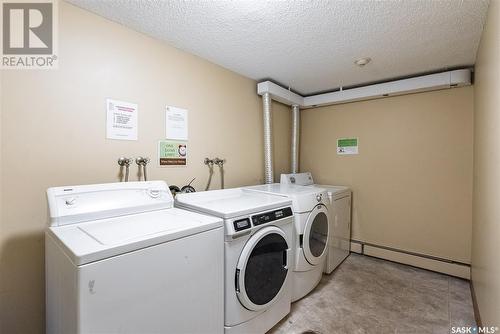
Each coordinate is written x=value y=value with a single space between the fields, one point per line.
x=121 y=259
x=310 y=233
x=339 y=198
x=258 y=254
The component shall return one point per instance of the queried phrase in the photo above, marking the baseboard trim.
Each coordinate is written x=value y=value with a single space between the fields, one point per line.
x=356 y=247
x=432 y=263
x=477 y=316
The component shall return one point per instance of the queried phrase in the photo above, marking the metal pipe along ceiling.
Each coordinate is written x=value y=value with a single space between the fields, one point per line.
x=295 y=138
x=268 y=148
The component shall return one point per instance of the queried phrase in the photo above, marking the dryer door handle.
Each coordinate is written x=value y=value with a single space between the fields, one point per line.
x=287 y=254
x=237 y=280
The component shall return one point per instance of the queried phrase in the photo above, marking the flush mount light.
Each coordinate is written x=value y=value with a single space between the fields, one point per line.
x=362 y=61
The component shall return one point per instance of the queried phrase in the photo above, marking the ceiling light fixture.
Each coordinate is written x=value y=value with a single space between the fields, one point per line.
x=362 y=61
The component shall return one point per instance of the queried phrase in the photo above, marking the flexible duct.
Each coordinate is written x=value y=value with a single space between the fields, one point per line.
x=268 y=148
x=295 y=138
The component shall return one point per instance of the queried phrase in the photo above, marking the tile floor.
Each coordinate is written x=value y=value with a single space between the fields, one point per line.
x=369 y=295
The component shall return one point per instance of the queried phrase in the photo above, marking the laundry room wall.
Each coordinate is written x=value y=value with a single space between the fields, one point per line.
x=53 y=134
x=412 y=178
x=486 y=221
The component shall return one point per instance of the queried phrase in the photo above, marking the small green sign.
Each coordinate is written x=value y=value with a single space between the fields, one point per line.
x=345 y=142
x=172 y=153
x=346 y=146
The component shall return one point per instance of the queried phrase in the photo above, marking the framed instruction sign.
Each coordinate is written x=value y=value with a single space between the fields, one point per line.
x=121 y=120
x=176 y=123
x=172 y=153
x=347 y=146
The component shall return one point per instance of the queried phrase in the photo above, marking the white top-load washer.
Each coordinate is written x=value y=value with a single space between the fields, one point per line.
x=310 y=233
x=258 y=253
x=340 y=217
x=121 y=259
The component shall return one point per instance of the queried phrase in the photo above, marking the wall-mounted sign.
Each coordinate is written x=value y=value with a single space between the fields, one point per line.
x=176 y=123
x=121 y=120
x=346 y=146
x=172 y=153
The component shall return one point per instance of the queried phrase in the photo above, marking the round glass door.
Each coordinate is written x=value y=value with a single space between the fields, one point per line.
x=262 y=268
x=316 y=235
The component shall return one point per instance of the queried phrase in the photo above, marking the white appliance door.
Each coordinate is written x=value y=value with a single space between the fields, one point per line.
x=262 y=268
x=315 y=237
x=174 y=287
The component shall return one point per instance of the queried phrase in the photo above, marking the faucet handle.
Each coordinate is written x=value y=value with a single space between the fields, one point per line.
x=142 y=161
x=219 y=162
x=122 y=161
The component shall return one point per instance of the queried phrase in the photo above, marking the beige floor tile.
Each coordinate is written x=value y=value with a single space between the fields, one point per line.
x=366 y=295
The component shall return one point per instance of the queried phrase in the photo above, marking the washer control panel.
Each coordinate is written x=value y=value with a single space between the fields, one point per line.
x=241 y=224
x=247 y=224
x=270 y=216
x=76 y=204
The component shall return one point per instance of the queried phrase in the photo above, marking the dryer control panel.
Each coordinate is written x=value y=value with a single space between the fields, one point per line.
x=300 y=179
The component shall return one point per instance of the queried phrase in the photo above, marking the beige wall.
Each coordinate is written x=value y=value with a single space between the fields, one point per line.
x=486 y=221
x=53 y=133
x=412 y=179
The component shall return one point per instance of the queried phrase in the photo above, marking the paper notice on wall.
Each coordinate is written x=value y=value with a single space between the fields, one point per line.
x=121 y=120
x=172 y=153
x=176 y=123
x=347 y=146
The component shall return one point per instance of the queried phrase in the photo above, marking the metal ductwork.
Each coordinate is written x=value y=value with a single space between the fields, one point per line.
x=295 y=138
x=268 y=144
x=423 y=83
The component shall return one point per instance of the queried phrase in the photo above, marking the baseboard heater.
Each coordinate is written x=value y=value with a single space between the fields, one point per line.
x=441 y=265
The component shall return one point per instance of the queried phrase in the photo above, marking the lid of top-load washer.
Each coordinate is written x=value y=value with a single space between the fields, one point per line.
x=95 y=240
x=230 y=203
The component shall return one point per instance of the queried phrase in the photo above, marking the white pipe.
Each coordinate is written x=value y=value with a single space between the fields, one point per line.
x=268 y=145
x=295 y=138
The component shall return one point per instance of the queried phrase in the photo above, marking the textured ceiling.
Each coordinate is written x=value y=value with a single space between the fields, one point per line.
x=310 y=46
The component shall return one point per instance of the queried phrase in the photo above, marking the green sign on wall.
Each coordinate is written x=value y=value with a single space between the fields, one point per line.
x=172 y=153
x=346 y=146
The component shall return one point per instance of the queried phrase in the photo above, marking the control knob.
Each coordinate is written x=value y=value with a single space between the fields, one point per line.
x=154 y=193
x=70 y=201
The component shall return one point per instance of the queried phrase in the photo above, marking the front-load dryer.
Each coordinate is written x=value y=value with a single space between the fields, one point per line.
x=339 y=200
x=257 y=255
x=310 y=233
x=121 y=259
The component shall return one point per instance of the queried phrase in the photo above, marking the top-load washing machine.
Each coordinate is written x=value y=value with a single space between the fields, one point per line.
x=121 y=259
x=310 y=234
x=340 y=217
x=257 y=252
